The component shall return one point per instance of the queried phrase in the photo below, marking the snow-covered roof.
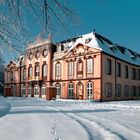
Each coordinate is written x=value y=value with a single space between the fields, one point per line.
x=39 y=42
x=103 y=44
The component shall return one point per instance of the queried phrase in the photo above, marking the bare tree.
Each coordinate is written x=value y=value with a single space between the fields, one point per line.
x=1 y=74
x=17 y=17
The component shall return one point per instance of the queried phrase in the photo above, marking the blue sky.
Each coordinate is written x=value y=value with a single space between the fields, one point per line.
x=118 y=20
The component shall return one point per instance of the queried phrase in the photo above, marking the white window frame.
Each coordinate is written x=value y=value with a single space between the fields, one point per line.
x=43 y=89
x=89 y=65
x=44 y=70
x=70 y=68
x=89 y=90
x=71 y=90
x=58 y=69
x=37 y=70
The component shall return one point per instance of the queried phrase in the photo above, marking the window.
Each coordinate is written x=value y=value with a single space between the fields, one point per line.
x=126 y=90
x=118 y=90
x=133 y=90
x=133 y=73
x=43 y=89
x=108 y=89
x=58 y=89
x=30 y=71
x=44 y=53
x=44 y=70
x=89 y=90
x=37 y=71
x=14 y=75
x=118 y=69
x=37 y=54
x=58 y=70
x=70 y=90
x=108 y=67
x=126 y=72
x=90 y=65
x=30 y=56
x=138 y=74
x=80 y=67
x=138 y=90
x=70 y=68
x=23 y=74
x=11 y=76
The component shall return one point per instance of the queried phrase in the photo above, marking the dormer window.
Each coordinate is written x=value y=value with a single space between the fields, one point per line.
x=88 y=40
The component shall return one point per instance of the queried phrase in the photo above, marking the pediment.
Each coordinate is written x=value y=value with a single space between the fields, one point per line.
x=11 y=65
x=81 y=49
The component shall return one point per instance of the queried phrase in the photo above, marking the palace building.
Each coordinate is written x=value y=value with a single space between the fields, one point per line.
x=88 y=67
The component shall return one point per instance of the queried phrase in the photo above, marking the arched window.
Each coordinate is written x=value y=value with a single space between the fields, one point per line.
x=37 y=70
x=30 y=71
x=43 y=90
x=30 y=56
x=14 y=75
x=89 y=65
x=80 y=67
x=58 y=70
x=58 y=90
x=44 y=70
x=37 y=54
x=23 y=74
x=89 y=90
x=23 y=61
x=44 y=53
x=71 y=90
x=8 y=76
x=11 y=76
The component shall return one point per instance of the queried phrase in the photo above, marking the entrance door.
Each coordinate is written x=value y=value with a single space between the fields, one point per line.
x=36 y=91
x=79 y=90
x=23 y=91
x=14 y=90
x=30 y=91
x=58 y=91
x=43 y=91
x=70 y=91
x=90 y=91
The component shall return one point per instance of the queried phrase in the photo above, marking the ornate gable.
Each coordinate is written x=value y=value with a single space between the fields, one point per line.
x=81 y=50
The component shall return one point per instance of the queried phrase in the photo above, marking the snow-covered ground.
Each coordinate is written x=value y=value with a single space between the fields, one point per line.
x=38 y=119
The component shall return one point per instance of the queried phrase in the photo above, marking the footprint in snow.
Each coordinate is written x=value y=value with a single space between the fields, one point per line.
x=58 y=138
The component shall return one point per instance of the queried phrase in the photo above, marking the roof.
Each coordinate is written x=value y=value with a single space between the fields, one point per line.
x=39 y=42
x=15 y=61
x=103 y=44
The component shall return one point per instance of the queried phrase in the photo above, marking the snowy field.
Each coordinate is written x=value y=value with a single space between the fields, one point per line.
x=38 y=119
